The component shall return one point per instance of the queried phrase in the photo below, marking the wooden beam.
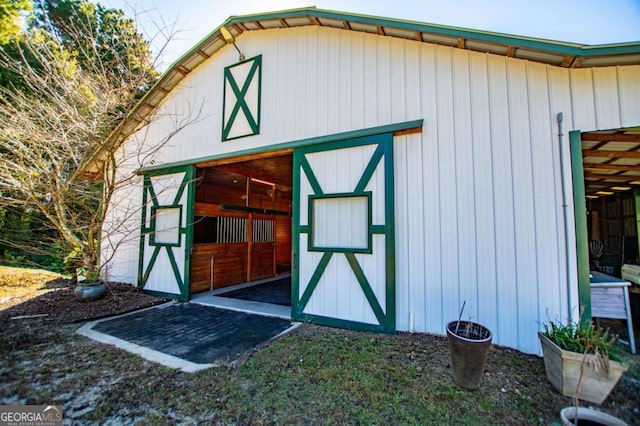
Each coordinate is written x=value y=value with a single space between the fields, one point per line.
x=567 y=61
x=242 y=158
x=611 y=137
x=238 y=29
x=346 y=25
x=404 y=132
x=381 y=30
x=418 y=36
x=511 y=51
x=182 y=70
x=283 y=22
x=610 y=154
x=616 y=167
x=620 y=178
x=203 y=54
x=315 y=21
x=461 y=43
x=577 y=62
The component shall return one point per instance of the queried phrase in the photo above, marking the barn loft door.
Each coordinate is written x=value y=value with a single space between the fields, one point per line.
x=166 y=237
x=343 y=271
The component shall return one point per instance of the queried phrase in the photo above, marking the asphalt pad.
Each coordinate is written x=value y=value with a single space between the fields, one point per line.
x=195 y=333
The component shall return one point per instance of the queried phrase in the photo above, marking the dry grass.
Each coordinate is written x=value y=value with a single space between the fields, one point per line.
x=316 y=375
x=18 y=282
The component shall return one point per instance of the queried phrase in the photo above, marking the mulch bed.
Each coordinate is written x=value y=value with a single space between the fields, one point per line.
x=58 y=305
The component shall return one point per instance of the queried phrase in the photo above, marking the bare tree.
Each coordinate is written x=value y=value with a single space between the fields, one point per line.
x=68 y=105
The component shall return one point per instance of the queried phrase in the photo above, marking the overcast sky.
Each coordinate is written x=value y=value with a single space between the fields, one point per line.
x=579 y=21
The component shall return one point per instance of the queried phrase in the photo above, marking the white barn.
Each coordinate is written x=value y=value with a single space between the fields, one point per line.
x=396 y=169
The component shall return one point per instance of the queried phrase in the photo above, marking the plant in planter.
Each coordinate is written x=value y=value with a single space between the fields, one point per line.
x=581 y=361
x=469 y=344
x=90 y=287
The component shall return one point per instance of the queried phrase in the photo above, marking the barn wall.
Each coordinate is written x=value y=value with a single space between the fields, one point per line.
x=479 y=209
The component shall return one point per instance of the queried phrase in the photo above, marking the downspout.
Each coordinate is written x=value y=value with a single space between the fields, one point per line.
x=565 y=214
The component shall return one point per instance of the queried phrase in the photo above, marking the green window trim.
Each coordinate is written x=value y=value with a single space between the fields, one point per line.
x=153 y=228
x=384 y=153
x=150 y=201
x=240 y=105
x=582 y=238
x=311 y=240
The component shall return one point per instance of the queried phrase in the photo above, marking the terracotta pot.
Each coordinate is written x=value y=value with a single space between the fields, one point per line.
x=469 y=344
x=588 y=416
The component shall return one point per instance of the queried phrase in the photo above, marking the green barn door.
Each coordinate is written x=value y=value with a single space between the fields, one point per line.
x=167 y=232
x=343 y=271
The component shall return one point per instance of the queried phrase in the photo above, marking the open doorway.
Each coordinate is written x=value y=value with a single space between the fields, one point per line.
x=611 y=162
x=242 y=227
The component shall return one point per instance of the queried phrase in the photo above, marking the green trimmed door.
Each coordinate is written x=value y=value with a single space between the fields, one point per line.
x=343 y=271
x=167 y=232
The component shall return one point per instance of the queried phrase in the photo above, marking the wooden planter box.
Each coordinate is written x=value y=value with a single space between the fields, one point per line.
x=563 y=371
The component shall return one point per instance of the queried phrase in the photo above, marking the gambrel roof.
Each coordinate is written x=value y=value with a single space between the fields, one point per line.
x=561 y=54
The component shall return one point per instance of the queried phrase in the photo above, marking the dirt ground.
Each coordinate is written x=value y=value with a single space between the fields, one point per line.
x=43 y=361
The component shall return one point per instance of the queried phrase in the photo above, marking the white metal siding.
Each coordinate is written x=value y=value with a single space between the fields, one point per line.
x=479 y=209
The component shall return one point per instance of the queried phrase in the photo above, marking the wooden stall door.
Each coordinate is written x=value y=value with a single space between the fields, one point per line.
x=262 y=256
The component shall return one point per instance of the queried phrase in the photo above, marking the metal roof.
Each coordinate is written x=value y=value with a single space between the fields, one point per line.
x=561 y=54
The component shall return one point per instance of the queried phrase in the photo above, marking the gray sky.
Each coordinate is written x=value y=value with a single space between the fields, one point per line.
x=579 y=21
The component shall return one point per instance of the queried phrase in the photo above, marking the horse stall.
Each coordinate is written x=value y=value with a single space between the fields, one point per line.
x=242 y=223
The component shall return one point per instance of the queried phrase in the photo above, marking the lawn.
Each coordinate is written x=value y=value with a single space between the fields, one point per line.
x=315 y=375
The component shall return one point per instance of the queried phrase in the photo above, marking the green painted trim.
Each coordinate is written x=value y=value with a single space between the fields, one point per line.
x=378 y=229
x=370 y=131
x=341 y=323
x=388 y=229
x=582 y=238
x=367 y=290
x=175 y=269
x=311 y=177
x=370 y=169
x=296 y=230
x=313 y=283
x=152 y=236
x=152 y=262
x=561 y=47
x=186 y=229
x=311 y=201
x=390 y=235
x=241 y=103
x=190 y=175
x=146 y=182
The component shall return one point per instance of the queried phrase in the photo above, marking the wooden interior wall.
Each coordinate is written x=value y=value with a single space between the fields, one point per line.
x=229 y=265
x=232 y=263
x=283 y=243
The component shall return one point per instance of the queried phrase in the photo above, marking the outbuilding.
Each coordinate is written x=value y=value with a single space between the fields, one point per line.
x=396 y=169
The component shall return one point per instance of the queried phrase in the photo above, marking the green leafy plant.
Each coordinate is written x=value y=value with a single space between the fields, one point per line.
x=588 y=340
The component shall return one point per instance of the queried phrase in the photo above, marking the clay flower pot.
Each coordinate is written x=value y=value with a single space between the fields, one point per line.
x=469 y=344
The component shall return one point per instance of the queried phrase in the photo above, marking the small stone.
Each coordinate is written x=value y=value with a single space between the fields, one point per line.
x=503 y=390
